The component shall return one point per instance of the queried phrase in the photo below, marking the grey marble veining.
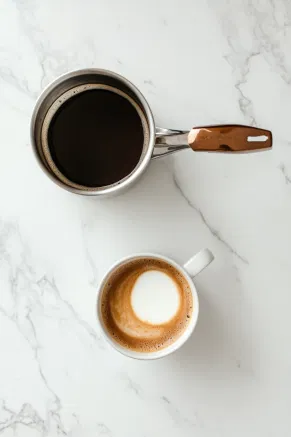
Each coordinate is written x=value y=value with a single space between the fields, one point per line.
x=196 y=62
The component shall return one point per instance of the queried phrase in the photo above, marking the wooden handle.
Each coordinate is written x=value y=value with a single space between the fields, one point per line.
x=229 y=138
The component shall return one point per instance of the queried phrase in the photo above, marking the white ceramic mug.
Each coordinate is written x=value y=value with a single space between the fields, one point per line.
x=190 y=269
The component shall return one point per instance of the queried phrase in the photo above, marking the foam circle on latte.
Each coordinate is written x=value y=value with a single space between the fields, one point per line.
x=155 y=297
x=146 y=304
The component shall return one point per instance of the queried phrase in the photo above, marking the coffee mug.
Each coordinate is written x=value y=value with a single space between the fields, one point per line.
x=159 y=141
x=187 y=272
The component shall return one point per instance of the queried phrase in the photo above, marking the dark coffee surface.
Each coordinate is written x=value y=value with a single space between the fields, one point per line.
x=96 y=138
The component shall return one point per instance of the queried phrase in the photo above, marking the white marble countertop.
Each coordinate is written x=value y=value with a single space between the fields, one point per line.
x=196 y=62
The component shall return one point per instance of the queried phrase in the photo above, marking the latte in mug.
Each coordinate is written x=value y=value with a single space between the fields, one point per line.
x=146 y=304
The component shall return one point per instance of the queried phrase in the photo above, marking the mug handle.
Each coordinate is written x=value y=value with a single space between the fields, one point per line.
x=198 y=262
x=230 y=138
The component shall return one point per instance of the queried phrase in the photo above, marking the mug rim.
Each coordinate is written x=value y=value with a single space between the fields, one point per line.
x=148 y=114
x=180 y=340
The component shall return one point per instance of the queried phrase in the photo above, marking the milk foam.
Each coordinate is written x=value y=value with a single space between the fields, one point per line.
x=155 y=297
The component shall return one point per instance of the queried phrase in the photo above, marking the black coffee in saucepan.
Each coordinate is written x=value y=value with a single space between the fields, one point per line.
x=96 y=137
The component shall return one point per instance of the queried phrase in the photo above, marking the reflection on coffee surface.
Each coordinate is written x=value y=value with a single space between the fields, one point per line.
x=146 y=305
x=96 y=137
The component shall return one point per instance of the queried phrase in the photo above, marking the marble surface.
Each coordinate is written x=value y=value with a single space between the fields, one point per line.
x=196 y=62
